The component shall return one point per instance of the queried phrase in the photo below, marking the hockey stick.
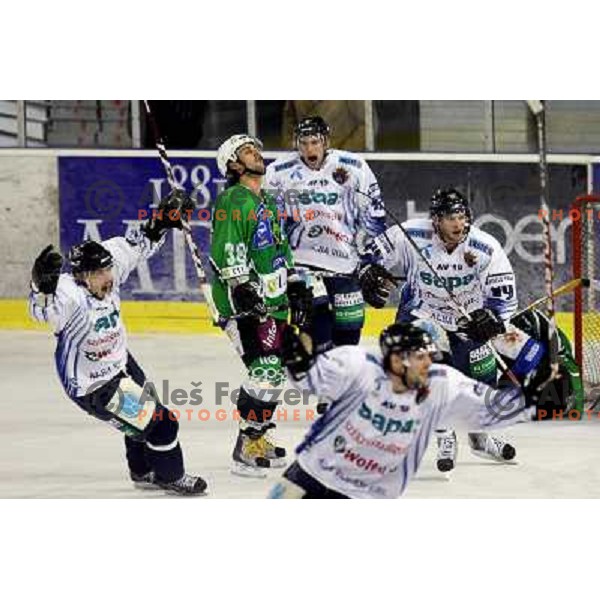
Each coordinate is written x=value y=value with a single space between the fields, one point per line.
x=538 y=109
x=459 y=307
x=205 y=288
x=570 y=286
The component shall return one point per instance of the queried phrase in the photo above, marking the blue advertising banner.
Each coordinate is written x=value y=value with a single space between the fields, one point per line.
x=101 y=197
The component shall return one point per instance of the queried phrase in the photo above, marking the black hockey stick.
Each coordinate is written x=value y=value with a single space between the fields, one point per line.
x=503 y=366
x=205 y=288
x=538 y=108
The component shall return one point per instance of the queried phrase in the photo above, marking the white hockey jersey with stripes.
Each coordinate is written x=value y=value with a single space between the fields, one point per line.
x=477 y=272
x=329 y=221
x=370 y=442
x=91 y=338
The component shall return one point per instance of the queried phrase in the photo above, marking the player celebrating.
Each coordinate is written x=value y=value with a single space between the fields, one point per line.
x=251 y=258
x=93 y=362
x=383 y=411
x=328 y=225
x=470 y=265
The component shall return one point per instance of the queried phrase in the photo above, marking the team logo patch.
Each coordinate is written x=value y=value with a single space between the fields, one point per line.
x=470 y=258
x=340 y=175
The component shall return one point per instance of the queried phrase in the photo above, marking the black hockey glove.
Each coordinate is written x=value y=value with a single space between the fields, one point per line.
x=296 y=352
x=171 y=210
x=46 y=270
x=376 y=284
x=248 y=300
x=481 y=326
x=300 y=297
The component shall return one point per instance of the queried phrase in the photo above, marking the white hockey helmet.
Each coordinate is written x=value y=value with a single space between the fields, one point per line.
x=228 y=149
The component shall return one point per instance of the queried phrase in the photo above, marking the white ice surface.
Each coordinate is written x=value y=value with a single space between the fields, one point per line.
x=49 y=448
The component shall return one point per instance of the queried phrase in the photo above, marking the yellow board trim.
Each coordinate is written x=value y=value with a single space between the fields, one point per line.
x=191 y=317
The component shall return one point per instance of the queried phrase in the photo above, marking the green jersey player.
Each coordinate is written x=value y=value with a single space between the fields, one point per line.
x=252 y=261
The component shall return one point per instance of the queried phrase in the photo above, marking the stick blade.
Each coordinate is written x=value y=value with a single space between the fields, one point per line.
x=535 y=106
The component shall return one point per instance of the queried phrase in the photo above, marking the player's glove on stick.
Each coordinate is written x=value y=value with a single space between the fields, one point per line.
x=481 y=326
x=46 y=270
x=170 y=212
x=300 y=298
x=247 y=299
x=376 y=283
x=296 y=352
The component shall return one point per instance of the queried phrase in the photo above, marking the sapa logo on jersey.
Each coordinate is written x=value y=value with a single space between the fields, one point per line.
x=451 y=283
x=385 y=424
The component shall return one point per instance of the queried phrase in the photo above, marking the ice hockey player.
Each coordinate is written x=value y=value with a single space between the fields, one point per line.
x=329 y=223
x=473 y=266
x=92 y=357
x=252 y=262
x=563 y=393
x=383 y=410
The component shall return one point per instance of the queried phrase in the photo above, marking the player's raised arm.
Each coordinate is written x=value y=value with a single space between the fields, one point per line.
x=141 y=243
x=49 y=301
x=479 y=406
x=329 y=375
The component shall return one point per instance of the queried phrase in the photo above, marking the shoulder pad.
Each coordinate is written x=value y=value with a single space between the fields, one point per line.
x=288 y=164
x=438 y=372
x=420 y=233
x=347 y=160
x=479 y=245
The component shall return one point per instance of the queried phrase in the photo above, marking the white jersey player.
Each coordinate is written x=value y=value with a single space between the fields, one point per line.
x=92 y=359
x=384 y=409
x=472 y=267
x=329 y=224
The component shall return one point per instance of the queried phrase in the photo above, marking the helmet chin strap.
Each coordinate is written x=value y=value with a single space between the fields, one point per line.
x=247 y=170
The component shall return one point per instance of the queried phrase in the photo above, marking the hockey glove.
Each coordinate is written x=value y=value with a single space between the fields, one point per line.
x=46 y=271
x=376 y=284
x=481 y=326
x=171 y=210
x=300 y=298
x=248 y=300
x=296 y=352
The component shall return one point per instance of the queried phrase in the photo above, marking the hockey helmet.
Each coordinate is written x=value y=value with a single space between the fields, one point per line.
x=405 y=337
x=311 y=126
x=89 y=256
x=229 y=148
x=448 y=202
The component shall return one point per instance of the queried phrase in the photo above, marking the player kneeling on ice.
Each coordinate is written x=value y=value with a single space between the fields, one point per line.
x=459 y=280
x=383 y=410
x=92 y=359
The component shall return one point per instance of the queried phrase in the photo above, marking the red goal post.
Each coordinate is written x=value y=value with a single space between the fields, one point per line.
x=585 y=216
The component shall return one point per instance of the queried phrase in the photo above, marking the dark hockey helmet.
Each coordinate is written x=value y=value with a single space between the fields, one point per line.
x=405 y=337
x=311 y=126
x=448 y=202
x=89 y=256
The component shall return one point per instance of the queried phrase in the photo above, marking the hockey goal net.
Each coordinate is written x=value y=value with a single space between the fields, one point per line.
x=586 y=263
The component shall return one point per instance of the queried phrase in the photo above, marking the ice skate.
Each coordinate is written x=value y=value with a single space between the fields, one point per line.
x=276 y=454
x=447 y=449
x=188 y=485
x=255 y=452
x=147 y=481
x=491 y=447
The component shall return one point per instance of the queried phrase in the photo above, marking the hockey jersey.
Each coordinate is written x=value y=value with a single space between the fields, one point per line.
x=332 y=212
x=91 y=339
x=477 y=272
x=370 y=442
